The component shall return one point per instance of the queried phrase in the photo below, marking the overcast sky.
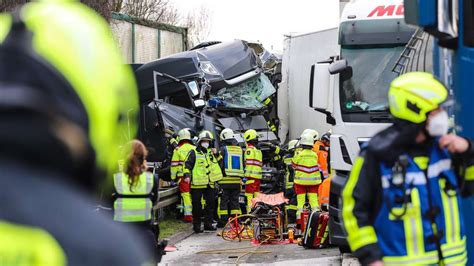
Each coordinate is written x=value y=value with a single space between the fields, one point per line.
x=266 y=21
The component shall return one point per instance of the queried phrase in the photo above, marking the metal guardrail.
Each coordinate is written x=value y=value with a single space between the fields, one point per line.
x=167 y=197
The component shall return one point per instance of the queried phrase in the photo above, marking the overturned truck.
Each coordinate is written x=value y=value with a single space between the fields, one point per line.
x=214 y=87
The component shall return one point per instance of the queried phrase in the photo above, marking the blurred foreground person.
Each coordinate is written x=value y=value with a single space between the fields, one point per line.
x=402 y=201
x=64 y=98
x=136 y=193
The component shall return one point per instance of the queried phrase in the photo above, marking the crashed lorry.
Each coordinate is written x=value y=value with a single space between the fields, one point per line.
x=212 y=87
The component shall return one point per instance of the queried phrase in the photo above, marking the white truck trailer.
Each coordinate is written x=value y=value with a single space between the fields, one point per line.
x=348 y=72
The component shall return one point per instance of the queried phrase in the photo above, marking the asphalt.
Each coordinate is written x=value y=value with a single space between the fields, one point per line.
x=279 y=254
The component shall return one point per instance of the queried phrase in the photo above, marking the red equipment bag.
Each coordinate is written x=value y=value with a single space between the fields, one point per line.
x=316 y=232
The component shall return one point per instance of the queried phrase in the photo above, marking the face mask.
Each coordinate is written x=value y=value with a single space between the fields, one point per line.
x=438 y=124
x=205 y=145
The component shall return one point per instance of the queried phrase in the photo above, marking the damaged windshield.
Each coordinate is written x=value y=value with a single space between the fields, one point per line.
x=249 y=94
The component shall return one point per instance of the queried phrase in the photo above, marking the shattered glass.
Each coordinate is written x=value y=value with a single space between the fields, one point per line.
x=249 y=94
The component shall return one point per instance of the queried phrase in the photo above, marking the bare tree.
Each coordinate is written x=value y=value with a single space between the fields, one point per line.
x=198 y=23
x=100 y=6
x=154 y=10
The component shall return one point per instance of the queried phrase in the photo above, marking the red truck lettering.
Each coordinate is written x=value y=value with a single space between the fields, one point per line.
x=381 y=11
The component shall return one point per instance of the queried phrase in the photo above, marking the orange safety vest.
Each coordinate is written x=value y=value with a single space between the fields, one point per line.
x=322 y=158
x=323 y=192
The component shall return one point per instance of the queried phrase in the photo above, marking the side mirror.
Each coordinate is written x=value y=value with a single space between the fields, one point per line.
x=421 y=13
x=320 y=94
x=319 y=86
x=193 y=88
x=338 y=66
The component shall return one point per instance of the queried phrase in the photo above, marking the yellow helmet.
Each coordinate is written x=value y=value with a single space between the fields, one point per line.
x=205 y=135
x=250 y=135
x=292 y=144
x=74 y=47
x=413 y=95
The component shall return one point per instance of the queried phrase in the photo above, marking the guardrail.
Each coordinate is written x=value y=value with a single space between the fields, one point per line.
x=167 y=197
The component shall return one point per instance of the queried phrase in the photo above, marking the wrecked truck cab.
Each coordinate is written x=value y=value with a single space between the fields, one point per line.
x=210 y=88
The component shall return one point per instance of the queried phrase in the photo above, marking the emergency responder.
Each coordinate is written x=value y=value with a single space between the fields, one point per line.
x=290 y=194
x=253 y=167
x=321 y=147
x=202 y=170
x=401 y=203
x=64 y=98
x=313 y=133
x=307 y=175
x=136 y=191
x=177 y=171
x=232 y=166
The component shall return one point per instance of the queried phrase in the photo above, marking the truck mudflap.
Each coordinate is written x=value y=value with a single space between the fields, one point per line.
x=337 y=235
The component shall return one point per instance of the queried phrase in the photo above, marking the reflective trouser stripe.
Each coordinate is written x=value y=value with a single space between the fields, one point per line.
x=187 y=203
x=300 y=199
x=250 y=196
x=422 y=259
x=234 y=212
x=451 y=210
x=291 y=207
x=313 y=200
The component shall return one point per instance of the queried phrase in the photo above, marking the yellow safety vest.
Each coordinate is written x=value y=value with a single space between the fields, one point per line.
x=233 y=165
x=253 y=163
x=177 y=161
x=206 y=170
x=289 y=172
x=306 y=168
x=136 y=208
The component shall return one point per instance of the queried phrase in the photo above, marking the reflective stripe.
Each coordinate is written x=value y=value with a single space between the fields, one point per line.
x=132 y=210
x=306 y=169
x=253 y=162
x=435 y=169
x=118 y=183
x=427 y=258
x=469 y=173
x=356 y=237
x=253 y=172
x=418 y=178
x=451 y=210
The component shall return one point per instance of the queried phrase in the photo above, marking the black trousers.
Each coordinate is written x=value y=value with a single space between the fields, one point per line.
x=196 y=195
x=291 y=206
x=229 y=203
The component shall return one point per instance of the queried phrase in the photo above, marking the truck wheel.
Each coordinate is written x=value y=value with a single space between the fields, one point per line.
x=344 y=249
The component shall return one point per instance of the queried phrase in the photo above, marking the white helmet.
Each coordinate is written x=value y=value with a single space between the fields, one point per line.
x=292 y=144
x=314 y=133
x=184 y=134
x=226 y=134
x=306 y=139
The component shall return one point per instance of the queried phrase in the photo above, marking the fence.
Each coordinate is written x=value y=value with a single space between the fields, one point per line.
x=143 y=41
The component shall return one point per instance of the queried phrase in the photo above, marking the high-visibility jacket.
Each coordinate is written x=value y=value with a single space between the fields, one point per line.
x=290 y=172
x=306 y=167
x=133 y=205
x=323 y=155
x=253 y=162
x=419 y=221
x=323 y=192
x=203 y=167
x=233 y=166
x=177 y=160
